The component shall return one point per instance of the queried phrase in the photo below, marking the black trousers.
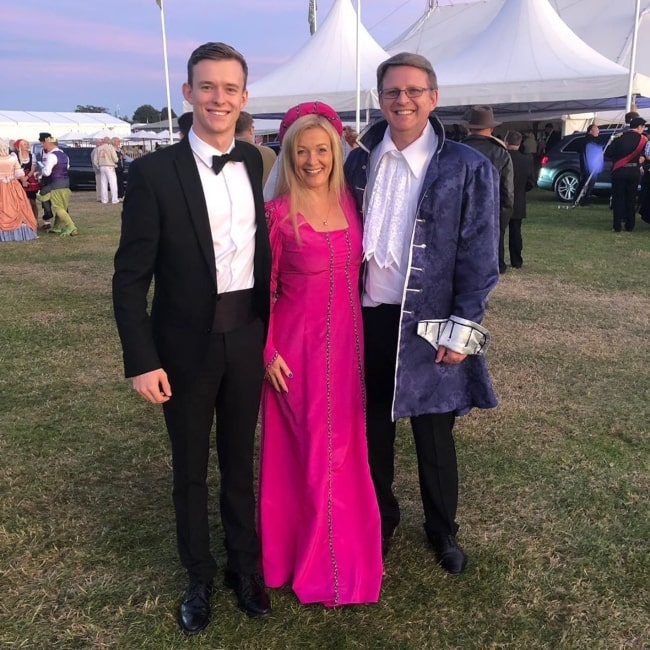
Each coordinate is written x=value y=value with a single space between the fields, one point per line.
x=502 y=255
x=515 y=244
x=434 y=442
x=624 y=187
x=228 y=385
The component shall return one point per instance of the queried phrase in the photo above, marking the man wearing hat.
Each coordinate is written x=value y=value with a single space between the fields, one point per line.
x=47 y=206
x=480 y=124
x=431 y=227
x=55 y=187
x=626 y=154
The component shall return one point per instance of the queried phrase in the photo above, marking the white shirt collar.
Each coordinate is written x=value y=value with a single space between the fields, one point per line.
x=417 y=154
x=204 y=151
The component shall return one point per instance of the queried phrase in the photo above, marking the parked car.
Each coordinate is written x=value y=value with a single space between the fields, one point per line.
x=560 y=168
x=81 y=173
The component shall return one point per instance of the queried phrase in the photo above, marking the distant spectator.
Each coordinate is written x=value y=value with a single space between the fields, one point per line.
x=119 y=168
x=105 y=158
x=245 y=130
x=644 y=197
x=481 y=124
x=626 y=153
x=55 y=187
x=350 y=136
x=591 y=164
x=48 y=215
x=29 y=180
x=523 y=181
x=529 y=143
x=17 y=221
x=549 y=139
x=98 y=178
x=185 y=124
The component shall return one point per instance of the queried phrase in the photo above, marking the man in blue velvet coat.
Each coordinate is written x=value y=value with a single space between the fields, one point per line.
x=431 y=230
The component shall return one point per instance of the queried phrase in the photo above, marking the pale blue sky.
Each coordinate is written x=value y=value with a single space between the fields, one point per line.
x=57 y=54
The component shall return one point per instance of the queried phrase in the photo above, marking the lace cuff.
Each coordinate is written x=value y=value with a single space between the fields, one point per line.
x=457 y=334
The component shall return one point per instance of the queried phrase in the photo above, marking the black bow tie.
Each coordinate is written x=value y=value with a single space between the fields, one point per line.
x=218 y=162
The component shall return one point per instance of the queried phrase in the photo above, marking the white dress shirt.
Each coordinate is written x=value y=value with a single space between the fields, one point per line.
x=231 y=210
x=385 y=284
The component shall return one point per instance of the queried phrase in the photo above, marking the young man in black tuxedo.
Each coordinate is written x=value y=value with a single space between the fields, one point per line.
x=193 y=220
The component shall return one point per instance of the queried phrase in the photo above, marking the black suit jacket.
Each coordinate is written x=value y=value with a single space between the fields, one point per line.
x=166 y=237
x=523 y=181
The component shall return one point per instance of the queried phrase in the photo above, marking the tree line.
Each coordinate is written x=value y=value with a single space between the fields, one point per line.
x=144 y=114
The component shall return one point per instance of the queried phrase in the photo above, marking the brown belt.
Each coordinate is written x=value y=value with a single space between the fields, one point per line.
x=234 y=309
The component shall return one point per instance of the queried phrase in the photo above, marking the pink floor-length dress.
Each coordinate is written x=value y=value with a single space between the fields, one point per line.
x=319 y=520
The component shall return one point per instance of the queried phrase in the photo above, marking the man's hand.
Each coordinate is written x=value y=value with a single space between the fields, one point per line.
x=448 y=356
x=153 y=386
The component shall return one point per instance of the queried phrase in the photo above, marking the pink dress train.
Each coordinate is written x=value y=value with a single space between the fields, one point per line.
x=318 y=515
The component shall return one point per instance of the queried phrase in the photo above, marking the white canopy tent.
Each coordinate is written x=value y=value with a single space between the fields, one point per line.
x=523 y=61
x=24 y=124
x=324 y=69
x=607 y=25
x=529 y=54
x=446 y=28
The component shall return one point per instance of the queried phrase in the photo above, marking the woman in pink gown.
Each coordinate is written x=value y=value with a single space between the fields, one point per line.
x=319 y=520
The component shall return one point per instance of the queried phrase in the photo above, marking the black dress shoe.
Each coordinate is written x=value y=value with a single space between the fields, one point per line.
x=449 y=554
x=251 y=595
x=194 y=611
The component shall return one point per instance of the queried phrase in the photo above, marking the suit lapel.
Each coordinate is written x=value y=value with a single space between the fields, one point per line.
x=195 y=199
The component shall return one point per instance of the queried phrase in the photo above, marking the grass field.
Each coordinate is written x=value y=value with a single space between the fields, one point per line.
x=554 y=482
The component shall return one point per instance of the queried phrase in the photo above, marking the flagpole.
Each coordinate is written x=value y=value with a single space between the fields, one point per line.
x=164 y=41
x=358 y=113
x=312 y=16
x=635 y=34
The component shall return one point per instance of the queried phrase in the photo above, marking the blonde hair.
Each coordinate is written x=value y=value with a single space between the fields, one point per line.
x=288 y=182
x=4 y=148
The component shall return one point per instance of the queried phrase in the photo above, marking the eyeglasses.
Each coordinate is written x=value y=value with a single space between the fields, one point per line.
x=412 y=92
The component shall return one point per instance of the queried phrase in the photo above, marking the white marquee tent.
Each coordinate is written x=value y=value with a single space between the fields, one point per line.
x=324 y=69
x=27 y=125
x=446 y=29
x=524 y=59
x=527 y=53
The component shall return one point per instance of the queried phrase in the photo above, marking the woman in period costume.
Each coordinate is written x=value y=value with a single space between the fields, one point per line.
x=319 y=519
x=17 y=221
x=29 y=180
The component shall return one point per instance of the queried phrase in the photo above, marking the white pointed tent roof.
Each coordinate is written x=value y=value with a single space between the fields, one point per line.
x=525 y=55
x=446 y=30
x=608 y=25
x=324 y=69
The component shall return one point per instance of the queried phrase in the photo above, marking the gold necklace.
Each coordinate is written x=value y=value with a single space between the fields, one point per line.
x=327 y=216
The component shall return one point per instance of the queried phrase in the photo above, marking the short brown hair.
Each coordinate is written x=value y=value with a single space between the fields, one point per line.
x=244 y=123
x=513 y=138
x=408 y=59
x=215 y=52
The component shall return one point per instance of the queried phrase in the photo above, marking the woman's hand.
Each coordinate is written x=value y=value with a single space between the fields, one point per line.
x=276 y=373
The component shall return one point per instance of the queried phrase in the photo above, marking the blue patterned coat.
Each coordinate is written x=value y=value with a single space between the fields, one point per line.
x=453 y=266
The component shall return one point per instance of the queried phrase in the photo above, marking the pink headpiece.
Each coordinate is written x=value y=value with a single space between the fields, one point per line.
x=309 y=108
